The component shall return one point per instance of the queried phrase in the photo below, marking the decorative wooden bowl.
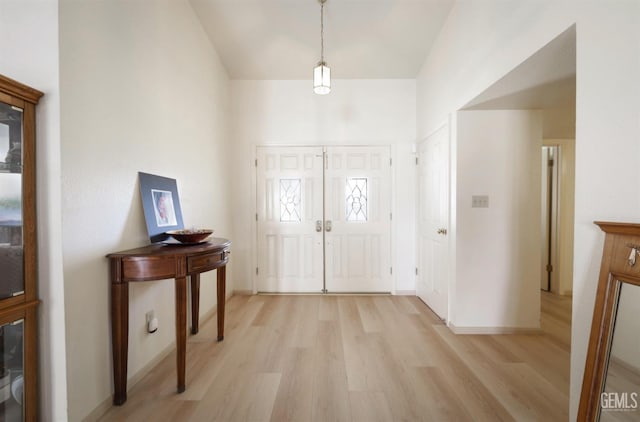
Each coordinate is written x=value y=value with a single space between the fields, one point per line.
x=190 y=236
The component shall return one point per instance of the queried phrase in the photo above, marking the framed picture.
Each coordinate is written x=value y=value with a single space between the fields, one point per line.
x=161 y=205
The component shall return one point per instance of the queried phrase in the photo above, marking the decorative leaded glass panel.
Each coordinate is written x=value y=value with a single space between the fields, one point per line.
x=356 y=195
x=290 y=200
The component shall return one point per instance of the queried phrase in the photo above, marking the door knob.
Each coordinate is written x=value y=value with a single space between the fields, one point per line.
x=327 y=226
x=442 y=231
x=318 y=225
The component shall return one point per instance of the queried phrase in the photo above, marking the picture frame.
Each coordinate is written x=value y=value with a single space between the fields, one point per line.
x=161 y=205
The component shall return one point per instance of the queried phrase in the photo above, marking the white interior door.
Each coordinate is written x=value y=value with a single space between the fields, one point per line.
x=323 y=219
x=357 y=219
x=289 y=219
x=432 y=284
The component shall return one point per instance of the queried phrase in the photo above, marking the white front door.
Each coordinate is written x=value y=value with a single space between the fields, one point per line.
x=323 y=219
x=358 y=219
x=289 y=200
x=432 y=284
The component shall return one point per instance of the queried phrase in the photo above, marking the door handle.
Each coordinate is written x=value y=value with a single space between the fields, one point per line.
x=442 y=231
x=327 y=225
x=318 y=225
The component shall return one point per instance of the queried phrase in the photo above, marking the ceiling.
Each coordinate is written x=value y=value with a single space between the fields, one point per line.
x=547 y=79
x=364 y=39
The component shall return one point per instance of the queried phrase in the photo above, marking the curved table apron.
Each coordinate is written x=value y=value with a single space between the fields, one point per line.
x=160 y=262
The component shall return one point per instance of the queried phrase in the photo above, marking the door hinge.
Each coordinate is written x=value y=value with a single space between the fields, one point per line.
x=391 y=216
x=256 y=162
x=416 y=270
x=256 y=270
x=256 y=216
x=551 y=163
x=549 y=268
x=391 y=270
x=416 y=161
x=390 y=161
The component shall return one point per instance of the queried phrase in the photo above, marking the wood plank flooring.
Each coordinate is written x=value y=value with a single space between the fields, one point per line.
x=358 y=358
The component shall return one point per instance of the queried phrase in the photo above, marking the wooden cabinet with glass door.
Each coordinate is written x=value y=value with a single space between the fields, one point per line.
x=18 y=272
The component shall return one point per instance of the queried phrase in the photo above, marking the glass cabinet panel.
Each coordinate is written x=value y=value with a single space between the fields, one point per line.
x=18 y=246
x=11 y=245
x=11 y=372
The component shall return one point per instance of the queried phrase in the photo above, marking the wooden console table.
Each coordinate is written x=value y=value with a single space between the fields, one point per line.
x=159 y=262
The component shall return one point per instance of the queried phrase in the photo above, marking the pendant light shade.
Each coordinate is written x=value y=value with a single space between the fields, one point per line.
x=322 y=72
x=322 y=79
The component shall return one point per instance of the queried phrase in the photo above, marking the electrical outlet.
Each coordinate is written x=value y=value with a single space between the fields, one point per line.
x=152 y=322
x=480 y=201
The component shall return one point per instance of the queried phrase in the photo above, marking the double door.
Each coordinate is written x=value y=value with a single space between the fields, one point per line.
x=323 y=219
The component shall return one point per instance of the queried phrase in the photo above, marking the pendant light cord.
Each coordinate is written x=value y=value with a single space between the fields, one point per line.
x=322 y=31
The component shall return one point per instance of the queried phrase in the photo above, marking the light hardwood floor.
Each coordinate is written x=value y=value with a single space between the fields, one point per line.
x=358 y=358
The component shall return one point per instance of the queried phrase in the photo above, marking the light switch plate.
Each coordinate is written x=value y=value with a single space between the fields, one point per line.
x=480 y=201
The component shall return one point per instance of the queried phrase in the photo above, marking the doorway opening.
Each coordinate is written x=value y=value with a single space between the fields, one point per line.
x=544 y=83
x=549 y=212
x=557 y=208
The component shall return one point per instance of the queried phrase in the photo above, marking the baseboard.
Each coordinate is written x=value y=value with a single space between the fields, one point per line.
x=242 y=292
x=100 y=410
x=103 y=407
x=323 y=294
x=137 y=377
x=397 y=293
x=494 y=330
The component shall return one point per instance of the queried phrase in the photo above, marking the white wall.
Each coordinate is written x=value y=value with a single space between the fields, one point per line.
x=483 y=41
x=29 y=54
x=142 y=90
x=497 y=248
x=356 y=112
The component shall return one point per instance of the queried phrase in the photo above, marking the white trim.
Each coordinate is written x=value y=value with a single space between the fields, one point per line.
x=405 y=293
x=494 y=330
x=242 y=293
x=452 y=120
x=107 y=404
x=393 y=230
x=254 y=225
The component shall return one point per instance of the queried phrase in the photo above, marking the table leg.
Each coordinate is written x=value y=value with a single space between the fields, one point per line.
x=221 y=300
x=120 y=339
x=181 y=330
x=195 y=303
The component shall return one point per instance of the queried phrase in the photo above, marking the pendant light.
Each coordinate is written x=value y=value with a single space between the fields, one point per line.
x=322 y=72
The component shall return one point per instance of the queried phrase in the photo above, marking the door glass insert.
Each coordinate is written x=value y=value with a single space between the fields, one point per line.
x=11 y=371
x=11 y=246
x=356 y=199
x=290 y=200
